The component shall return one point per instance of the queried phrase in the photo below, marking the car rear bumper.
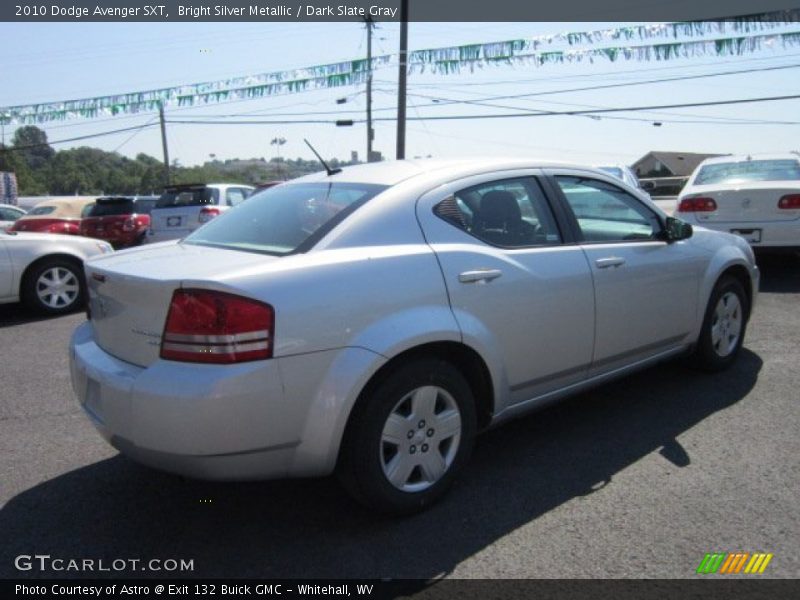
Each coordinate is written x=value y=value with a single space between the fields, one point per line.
x=773 y=234
x=223 y=422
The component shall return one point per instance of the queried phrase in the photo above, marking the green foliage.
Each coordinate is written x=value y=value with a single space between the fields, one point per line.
x=88 y=171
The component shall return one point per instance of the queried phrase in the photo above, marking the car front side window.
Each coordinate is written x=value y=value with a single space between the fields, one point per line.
x=606 y=213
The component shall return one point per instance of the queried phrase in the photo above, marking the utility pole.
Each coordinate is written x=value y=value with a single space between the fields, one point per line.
x=401 y=81
x=370 y=132
x=164 y=143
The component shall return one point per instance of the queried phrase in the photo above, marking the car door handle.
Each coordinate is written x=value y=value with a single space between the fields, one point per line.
x=611 y=261
x=479 y=275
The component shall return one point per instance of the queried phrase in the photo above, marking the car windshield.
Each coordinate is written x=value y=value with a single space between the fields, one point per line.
x=751 y=170
x=111 y=207
x=187 y=197
x=284 y=219
x=38 y=211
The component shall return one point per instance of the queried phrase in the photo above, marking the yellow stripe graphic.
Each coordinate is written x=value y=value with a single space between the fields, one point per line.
x=765 y=563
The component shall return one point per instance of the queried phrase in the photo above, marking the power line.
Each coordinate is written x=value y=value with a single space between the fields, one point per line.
x=79 y=138
x=516 y=115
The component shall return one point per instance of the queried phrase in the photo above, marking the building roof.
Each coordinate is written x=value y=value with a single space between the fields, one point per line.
x=679 y=163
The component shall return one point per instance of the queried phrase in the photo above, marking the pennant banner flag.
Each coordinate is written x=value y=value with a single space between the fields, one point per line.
x=538 y=51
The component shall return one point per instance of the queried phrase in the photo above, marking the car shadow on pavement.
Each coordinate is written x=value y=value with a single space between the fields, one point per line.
x=115 y=509
x=780 y=272
x=17 y=314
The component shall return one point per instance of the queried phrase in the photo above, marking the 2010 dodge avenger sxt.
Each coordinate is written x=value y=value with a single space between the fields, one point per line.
x=371 y=321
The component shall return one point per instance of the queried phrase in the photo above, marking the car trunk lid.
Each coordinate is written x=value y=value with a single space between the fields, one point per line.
x=756 y=204
x=130 y=293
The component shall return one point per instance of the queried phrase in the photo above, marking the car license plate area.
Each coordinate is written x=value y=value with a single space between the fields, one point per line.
x=173 y=221
x=751 y=235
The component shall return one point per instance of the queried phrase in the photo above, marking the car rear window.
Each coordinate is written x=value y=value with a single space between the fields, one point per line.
x=188 y=197
x=285 y=219
x=111 y=207
x=750 y=170
x=38 y=211
x=143 y=206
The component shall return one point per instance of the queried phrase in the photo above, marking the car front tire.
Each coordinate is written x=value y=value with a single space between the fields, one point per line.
x=724 y=326
x=408 y=438
x=54 y=287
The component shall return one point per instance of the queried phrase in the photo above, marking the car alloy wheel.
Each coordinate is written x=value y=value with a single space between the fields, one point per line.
x=57 y=288
x=410 y=434
x=726 y=324
x=420 y=438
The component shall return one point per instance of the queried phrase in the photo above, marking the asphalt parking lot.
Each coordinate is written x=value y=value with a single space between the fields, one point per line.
x=639 y=478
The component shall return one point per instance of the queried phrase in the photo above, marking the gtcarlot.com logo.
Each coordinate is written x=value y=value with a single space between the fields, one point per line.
x=732 y=563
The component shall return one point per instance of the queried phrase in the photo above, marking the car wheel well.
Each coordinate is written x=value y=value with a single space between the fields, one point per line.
x=31 y=268
x=740 y=274
x=462 y=357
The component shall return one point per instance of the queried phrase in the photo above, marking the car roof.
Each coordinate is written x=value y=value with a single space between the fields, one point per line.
x=392 y=172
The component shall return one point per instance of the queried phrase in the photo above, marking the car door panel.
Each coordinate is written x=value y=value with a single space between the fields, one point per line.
x=6 y=271
x=536 y=303
x=645 y=288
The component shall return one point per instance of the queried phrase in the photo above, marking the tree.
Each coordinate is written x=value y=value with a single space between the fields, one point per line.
x=32 y=146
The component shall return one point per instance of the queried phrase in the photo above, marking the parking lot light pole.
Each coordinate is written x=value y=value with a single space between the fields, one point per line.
x=401 y=82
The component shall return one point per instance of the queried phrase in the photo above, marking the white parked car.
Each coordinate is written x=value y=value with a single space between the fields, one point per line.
x=183 y=208
x=45 y=270
x=9 y=214
x=756 y=197
x=372 y=321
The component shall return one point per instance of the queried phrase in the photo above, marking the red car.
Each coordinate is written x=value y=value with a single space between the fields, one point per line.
x=54 y=216
x=121 y=221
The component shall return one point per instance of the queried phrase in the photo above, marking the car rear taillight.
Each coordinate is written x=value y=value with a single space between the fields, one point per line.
x=789 y=202
x=207 y=326
x=698 y=204
x=207 y=214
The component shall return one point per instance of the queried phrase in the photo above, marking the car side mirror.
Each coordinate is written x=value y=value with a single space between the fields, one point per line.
x=676 y=230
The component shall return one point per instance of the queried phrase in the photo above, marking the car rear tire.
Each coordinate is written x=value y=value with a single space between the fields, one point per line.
x=409 y=437
x=724 y=326
x=54 y=287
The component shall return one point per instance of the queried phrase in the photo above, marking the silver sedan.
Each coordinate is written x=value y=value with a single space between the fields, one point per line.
x=372 y=321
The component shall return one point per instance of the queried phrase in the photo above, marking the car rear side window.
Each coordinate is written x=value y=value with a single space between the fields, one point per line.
x=606 y=213
x=511 y=213
x=285 y=219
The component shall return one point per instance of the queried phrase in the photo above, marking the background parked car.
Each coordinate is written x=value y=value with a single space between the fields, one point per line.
x=54 y=216
x=372 y=320
x=754 y=196
x=9 y=215
x=183 y=208
x=120 y=220
x=45 y=271
x=623 y=173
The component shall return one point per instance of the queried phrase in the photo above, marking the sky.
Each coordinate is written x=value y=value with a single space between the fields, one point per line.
x=60 y=61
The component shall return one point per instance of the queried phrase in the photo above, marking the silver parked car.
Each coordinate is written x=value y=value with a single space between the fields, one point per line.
x=45 y=270
x=372 y=321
